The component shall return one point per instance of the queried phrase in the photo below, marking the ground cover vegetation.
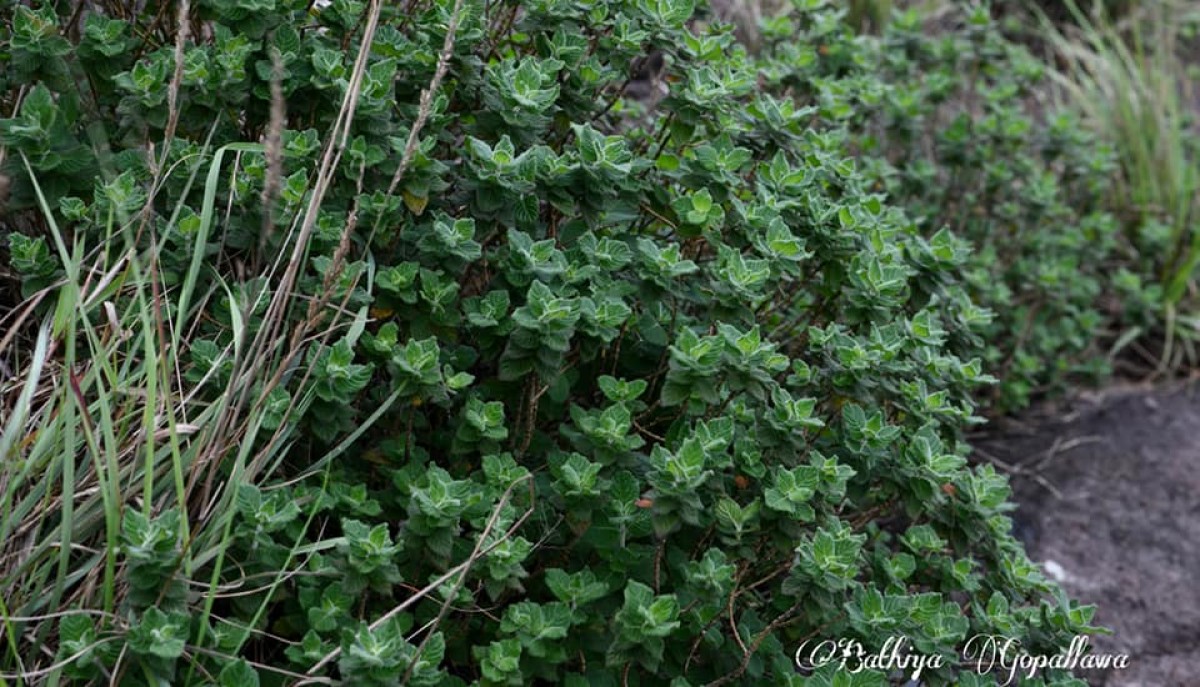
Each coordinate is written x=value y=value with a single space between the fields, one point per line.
x=1131 y=77
x=386 y=343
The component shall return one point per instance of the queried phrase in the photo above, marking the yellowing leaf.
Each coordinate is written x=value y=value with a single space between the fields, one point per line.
x=415 y=204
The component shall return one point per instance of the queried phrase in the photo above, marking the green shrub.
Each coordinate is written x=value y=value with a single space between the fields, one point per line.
x=554 y=389
x=954 y=128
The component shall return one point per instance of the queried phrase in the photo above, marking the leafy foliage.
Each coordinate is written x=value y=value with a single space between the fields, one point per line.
x=625 y=396
x=1015 y=208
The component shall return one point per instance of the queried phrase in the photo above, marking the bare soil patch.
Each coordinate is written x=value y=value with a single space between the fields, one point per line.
x=1109 y=504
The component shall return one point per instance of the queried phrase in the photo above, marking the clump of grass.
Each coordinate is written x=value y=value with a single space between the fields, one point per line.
x=1130 y=80
x=105 y=424
x=108 y=437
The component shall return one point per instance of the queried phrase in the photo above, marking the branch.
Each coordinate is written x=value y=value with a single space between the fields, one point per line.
x=426 y=105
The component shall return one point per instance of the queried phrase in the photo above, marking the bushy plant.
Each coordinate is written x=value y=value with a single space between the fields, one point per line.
x=491 y=375
x=956 y=128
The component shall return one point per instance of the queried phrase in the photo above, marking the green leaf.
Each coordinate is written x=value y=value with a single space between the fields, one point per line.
x=238 y=674
x=159 y=634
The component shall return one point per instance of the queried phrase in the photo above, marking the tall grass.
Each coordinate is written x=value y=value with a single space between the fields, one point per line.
x=1130 y=80
x=105 y=420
